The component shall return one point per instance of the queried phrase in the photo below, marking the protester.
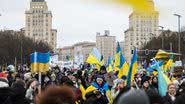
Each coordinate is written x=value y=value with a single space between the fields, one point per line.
x=56 y=95
x=85 y=86
x=118 y=85
x=100 y=86
x=170 y=96
x=145 y=83
x=134 y=97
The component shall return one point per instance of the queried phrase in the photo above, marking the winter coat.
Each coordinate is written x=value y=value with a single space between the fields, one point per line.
x=168 y=100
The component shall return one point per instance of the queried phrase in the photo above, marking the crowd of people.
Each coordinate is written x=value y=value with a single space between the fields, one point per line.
x=85 y=86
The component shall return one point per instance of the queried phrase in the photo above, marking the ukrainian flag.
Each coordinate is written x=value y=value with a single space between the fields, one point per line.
x=161 y=54
x=133 y=69
x=95 y=58
x=123 y=67
x=117 y=56
x=110 y=67
x=39 y=62
x=169 y=63
x=163 y=80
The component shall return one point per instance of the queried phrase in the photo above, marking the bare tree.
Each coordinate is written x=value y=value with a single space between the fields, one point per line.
x=16 y=45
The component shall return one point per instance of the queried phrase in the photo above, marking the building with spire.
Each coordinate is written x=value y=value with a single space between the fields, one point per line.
x=143 y=26
x=38 y=23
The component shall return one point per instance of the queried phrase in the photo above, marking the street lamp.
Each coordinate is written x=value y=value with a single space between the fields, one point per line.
x=179 y=45
x=162 y=36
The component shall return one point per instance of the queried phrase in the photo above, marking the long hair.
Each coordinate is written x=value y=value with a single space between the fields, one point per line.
x=56 y=95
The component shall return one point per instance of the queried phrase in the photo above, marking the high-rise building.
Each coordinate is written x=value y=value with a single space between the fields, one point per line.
x=143 y=26
x=106 y=45
x=122 y=46
x=38 y=23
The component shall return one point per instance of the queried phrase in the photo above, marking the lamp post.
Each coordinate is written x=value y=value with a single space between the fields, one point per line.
x=162 y=36
x=179 y=44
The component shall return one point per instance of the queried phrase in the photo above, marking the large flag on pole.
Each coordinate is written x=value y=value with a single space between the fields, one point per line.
x=95 y=58
x=133 y=69
x=123 y=68
x=110 y=66
x=39 y=62
x=161 y=54
x=163 y=80
x=117 y=56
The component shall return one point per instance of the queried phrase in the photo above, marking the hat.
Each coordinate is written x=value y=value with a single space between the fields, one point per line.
x=144 y=79
x=134 y=97
x=97 y=79
x=117 y=81
x=3 y=82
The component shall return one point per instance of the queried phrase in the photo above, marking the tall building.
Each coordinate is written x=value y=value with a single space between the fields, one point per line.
x=38 y=23
x=106 y=45
x=143 y=26
x=122 y=46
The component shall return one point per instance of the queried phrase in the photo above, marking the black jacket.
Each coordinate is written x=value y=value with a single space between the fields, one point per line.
x=167 y=99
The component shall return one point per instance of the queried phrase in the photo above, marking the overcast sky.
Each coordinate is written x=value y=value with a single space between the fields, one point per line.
x=79 y=20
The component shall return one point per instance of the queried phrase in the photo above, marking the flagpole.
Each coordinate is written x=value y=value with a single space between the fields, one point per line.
x=136 y=84
x=40 y=81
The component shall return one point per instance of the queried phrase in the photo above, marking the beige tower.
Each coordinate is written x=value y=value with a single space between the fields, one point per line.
x=39 y=23
x=106 y=45
x=143 y=26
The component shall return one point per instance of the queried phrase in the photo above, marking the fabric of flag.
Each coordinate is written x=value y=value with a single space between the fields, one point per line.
x=161 y=54
x=39 y=62
x=133 y=69
x=102 y=60
x=117 y=56
x=82 y=89
x=123 y=68
x=109 y=68
x=163 y=80
x=169 y=63
x=95 y=58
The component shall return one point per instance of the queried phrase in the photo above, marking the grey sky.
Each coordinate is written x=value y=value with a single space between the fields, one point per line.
x=79 y=20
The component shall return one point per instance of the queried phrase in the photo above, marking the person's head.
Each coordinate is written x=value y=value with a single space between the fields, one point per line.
x=99 y=81
x=56 y=95
x=171 y=89
x=119 y=83
x=145 y=82
x=103 y=70
x=19 y=88
x=154 y=97
x=133 y=97
x=154 y=80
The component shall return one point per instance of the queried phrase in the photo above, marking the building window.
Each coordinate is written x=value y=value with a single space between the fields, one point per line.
x=46 y=33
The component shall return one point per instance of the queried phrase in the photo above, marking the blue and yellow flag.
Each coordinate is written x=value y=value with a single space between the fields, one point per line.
x=163 y=80
x=110 y=66
x=39 y=62
x=133 y=69
x=123 y=68
x=117 y=56
x=95 y=58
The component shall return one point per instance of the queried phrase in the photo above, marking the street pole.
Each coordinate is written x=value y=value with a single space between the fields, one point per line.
x=171 y=46
x=162 y=36
x=179 y=44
